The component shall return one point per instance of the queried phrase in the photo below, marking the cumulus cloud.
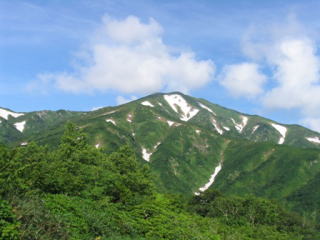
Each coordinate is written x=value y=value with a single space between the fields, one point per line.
x=297 y=69
x=243 y=79
x=289 y=55
x=296 y=72
x=130 y=56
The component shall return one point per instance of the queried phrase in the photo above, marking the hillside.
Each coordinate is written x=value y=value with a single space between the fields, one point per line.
x=174 y=109
x=78 y=192
x=191 y=145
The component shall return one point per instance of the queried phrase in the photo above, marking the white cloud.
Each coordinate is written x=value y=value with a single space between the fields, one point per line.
x=243 y=79
x=297 y=69
x=289 y=54
x=122 y=100
x=130 y=56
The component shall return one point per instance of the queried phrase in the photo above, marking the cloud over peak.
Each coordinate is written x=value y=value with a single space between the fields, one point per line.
x=130 y=56
x=290 y=56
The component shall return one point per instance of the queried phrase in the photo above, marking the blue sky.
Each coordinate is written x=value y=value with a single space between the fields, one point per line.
x=258 y=57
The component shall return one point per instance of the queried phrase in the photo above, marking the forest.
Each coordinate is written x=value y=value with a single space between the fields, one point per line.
x=76 y=191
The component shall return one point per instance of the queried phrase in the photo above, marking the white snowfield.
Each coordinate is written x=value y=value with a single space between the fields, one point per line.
x=146 y=155
x=313 y=139
x=212 y=178
x=5 y=114
x=186 y=111
x=255 y=128
x=20 y=125
x=282 y=130
x=147 y=103
x=214 y=123
x=170 y=123
x=111 y=121
x=240 y=126
x=205 y=107
x=226 y=128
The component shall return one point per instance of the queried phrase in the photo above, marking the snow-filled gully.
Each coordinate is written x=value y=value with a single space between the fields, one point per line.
x=177 y=102
x=282 y=130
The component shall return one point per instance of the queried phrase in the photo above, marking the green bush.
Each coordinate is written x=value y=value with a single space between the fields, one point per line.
x=9 y=227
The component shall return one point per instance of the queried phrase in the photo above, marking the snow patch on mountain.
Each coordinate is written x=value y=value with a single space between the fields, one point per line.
x=214 y=123
x=282 y=130
x=147 y=103
x=20 y=125
x=240 y=126
x=129 y=118
x=211 y=180
x=313 y=139
x=111 y=121
x=146 y=155
x=5 y=114
x=157 y=145
x=177 y=103
x=226 y=128
x=170 y=123
x=207 y=108
x=255 y=129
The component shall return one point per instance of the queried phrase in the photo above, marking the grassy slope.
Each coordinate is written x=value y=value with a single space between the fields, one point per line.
x=185 y=159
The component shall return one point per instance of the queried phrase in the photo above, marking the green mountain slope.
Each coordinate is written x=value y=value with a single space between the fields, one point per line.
x=191 y=144
x=76 y=191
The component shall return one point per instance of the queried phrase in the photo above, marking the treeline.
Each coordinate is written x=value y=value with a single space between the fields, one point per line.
x=78 y=192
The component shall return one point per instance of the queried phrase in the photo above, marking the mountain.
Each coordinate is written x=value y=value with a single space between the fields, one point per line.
x=191 y=144
x=176 y=109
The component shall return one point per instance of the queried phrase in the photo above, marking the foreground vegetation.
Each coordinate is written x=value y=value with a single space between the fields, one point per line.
x=79 y=192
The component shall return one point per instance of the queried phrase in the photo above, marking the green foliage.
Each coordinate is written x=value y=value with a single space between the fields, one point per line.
x=186 y=156
x=8 y=222
x=79 y=192
x=36 y=220
x=252 y=213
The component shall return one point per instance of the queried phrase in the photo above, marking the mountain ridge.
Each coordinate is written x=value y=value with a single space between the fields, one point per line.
x=151 y=96
x=181 y=137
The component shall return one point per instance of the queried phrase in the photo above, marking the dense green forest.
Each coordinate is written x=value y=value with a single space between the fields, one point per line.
x=79 y=192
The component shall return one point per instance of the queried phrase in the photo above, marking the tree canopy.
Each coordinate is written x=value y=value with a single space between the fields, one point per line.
x=79 y=192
